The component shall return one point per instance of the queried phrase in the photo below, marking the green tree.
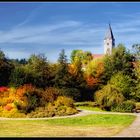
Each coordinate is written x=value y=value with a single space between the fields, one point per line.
x=123 y=83
x=36 y=72
x=108 y=97
x=71 y=82
x=17 y=77
x=5 y=70
x=120 y=60
x=61 y=77
x=62 y=58
x=83 y=56
x=137 y=81
x=74 y=54
x=136 y=50
x=2 y=55
x=40 y=69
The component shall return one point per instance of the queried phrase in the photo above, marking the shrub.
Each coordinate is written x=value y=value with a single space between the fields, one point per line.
x=61 y=107
x=61 y=111
x=51 y=109
x=41 y=112
x=32 y=100
x=70 y=111
x=4 y=92
x=126 y=106
x=8 y=107
x=64 y=101
x=3 y=89
x=51 y=94
x=28 y=98
x=108 y=96
x=22 y=90
x=64 y=106
x=13 y=113
x=1 y=109
x=45 y=112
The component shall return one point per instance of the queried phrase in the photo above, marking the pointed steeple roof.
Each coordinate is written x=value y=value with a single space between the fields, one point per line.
x=109 y=34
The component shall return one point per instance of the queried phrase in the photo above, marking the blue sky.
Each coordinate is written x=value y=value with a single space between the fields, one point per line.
x=48 y=27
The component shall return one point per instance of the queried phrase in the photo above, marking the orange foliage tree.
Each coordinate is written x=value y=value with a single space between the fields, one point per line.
x=93 y=72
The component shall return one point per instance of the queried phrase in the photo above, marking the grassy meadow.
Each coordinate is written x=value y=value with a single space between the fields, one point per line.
x=95 y=125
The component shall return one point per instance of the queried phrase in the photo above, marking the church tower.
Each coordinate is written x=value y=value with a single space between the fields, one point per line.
x=109 y=41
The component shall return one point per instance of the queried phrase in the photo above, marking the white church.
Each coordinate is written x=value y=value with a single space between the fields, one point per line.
x=109 y=43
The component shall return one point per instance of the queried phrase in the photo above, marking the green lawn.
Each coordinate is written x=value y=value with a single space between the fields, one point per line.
x=95 y=119
x=90 y=108
x=89 y=105
x=90 y=125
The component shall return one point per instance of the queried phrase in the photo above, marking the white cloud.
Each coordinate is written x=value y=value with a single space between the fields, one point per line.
x=66 y=33
x=70 y=35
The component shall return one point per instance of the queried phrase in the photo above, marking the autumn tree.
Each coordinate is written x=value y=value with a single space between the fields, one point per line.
x=69 y=77
x=94 y=71
x=76 y=82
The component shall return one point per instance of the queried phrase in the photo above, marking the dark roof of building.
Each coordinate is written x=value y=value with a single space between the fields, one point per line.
x=109 y=33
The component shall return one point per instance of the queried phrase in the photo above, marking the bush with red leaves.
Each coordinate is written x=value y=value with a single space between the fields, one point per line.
x=3 y=89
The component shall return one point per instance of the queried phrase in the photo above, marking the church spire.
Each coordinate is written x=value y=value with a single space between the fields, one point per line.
x=109 y=41
x=109 y=34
